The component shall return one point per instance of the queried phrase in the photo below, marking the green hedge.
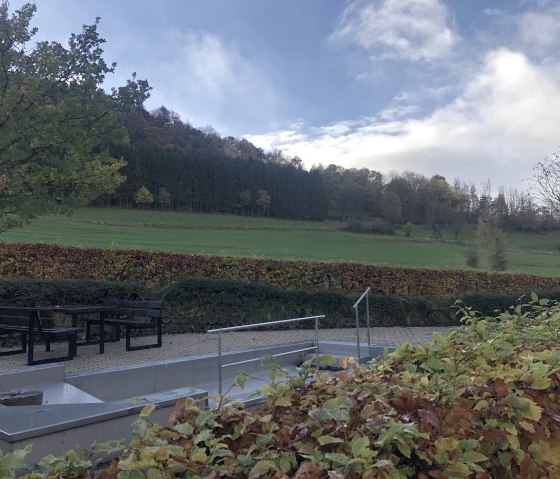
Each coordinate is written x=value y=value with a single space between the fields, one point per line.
x=37 y=292
x=198 y=304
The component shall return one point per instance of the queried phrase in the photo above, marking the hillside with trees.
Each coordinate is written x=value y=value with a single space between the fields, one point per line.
x=171 y=165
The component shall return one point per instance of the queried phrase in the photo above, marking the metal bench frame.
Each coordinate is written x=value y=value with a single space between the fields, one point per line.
x=36 y=324
x=127 y=314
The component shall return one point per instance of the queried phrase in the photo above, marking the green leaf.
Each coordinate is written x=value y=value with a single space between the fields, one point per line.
x=337 y=458
x=540 y=383
x=205 y=417
x=435 y=364
x=404 y=448
x=245 y=460
x=203 y=435
x=358 y=444
x=473 y=457
x=260 y=469
x=324 y=440
x=184 y=428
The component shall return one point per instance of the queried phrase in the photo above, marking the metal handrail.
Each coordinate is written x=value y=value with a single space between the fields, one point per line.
x=356 y=306
x=221 y=365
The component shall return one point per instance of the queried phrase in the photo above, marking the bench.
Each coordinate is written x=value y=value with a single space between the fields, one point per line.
x=133 y=316
x=36 y=324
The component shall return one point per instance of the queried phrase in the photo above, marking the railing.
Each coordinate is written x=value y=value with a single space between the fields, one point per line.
x=365 y=294
x=221 y=365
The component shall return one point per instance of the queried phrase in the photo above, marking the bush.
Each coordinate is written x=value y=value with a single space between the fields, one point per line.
x=481 y=403
x=35 y=292
x=408 y=229
x=198 y=304
x=472 y=258
x=377 y=226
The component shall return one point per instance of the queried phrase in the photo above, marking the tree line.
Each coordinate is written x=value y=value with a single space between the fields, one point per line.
x=171 y=165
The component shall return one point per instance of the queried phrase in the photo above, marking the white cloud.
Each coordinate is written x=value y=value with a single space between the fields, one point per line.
x=210 y=80
x=504 y=119
x=413 y=30
x=539 y=30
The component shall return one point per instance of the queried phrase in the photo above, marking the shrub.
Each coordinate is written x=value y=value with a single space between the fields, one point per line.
x=408 y=229
x=377 y=226
x=472 y=258
x=480 y=403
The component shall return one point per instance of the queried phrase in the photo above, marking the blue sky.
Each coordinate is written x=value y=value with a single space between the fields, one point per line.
x=468 y=89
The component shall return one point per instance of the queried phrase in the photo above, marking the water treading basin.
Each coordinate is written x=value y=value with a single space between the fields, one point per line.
x=79 y=408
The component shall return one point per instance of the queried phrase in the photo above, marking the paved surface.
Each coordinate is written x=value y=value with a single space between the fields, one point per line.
x=185 y=345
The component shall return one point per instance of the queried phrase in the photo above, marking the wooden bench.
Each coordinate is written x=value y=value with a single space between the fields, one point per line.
x=133 y=316
x=36 y=324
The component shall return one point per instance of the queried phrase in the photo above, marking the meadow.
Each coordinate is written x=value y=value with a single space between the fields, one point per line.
x=281 y=239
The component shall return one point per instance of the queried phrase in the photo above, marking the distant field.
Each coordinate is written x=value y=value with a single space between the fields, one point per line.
x=283 y=239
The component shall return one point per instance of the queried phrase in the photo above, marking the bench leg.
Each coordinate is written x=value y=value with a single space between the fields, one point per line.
x=73 y=346
x=88 y=331
x=146 y=346
x=30 y=342
x=23 y=342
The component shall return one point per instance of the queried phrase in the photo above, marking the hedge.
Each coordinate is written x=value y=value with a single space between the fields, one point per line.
x=162 y=269
x=198 y=304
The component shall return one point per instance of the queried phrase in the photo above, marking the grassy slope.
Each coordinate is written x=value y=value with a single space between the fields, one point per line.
x=263 y=237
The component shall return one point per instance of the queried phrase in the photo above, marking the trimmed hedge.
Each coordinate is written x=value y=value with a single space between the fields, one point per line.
x=198 y=304
x=162 y=269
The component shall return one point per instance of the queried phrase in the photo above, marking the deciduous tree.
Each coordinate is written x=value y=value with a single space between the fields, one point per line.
x=493 y=240
x=263 y=200
x=56 y=123
x=546 y=179
x=143 y=196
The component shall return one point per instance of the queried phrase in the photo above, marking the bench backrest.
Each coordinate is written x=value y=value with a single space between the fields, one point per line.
x=135 y=309
x=14 y=316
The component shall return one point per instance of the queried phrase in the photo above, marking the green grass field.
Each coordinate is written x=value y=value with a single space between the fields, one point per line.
x=283 y=239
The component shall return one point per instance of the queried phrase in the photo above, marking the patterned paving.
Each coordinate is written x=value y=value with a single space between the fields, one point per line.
x=185 y=345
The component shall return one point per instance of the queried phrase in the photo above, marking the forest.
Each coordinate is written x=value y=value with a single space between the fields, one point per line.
x=171 y=165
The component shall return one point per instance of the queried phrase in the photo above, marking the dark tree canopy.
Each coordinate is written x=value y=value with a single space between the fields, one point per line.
x=56 y=123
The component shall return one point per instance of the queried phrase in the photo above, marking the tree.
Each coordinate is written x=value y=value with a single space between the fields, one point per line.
x=56 y=123
x=263 y=200
x=493 y=240
x=143 y=196
x=391 y=207
x=546 y=179
x=244 y=199
x=164 y=198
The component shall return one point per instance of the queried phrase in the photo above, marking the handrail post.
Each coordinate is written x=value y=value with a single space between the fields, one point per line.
x=368 y=327
x=358 y=332
x=316 y=336
x=220 y=362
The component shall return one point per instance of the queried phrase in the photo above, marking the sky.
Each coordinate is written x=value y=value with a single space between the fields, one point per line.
x=467 y=89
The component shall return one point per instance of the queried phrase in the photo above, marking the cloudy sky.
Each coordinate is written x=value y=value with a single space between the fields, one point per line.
x=467 y=89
